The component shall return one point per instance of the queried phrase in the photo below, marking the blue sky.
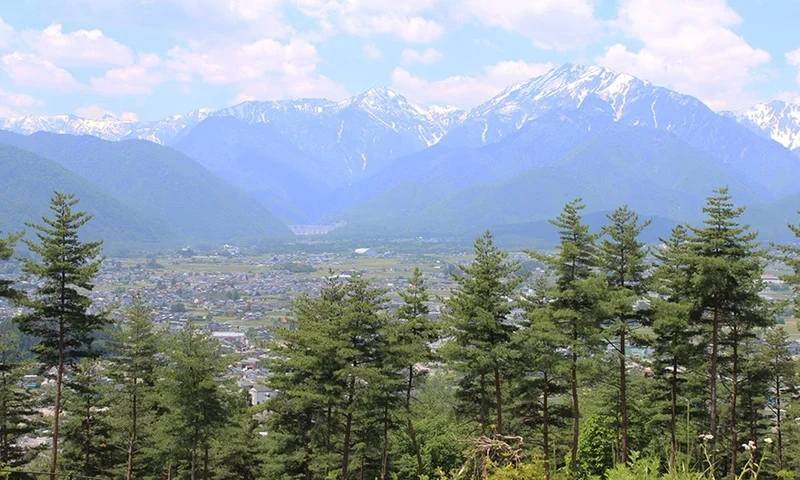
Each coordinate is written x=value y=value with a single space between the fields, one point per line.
x=148 y=59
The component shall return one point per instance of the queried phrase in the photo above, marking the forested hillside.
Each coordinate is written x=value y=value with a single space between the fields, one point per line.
x=622 y=359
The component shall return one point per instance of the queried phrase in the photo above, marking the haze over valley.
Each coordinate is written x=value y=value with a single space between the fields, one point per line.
x=381 y=165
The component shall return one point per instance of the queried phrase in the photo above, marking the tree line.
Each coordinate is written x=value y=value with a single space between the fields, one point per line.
x=619 y=360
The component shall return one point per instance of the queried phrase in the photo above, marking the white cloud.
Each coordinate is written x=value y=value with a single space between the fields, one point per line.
x=11 y=101
x=410 y=56
x=688 y=46
x=793 y=58
x=6 y=34
x=96 y=111
x=16 y=99
x=466 y=90
x=404 y=20
x=372 y=52
x=789 y=97
x=549 y=24
x=191 y=19
x=76 y=49
x=137 y=79
x=263 y=69
x=291 y=86
x=30 y=71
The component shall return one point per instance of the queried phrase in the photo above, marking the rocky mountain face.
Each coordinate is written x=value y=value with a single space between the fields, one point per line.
x=777 y=120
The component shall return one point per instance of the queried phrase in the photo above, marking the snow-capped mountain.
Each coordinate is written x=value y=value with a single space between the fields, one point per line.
x=357 y=134
x=632 y=101
x=777 y=120
x=162 y=132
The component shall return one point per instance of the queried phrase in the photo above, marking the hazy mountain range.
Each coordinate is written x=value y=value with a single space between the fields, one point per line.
x=390 y=167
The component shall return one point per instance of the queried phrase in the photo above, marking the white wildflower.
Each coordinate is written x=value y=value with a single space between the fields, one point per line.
x=768 y=441
x=746 y=447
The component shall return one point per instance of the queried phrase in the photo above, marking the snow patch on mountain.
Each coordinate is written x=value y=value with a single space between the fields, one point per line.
x=777 y=120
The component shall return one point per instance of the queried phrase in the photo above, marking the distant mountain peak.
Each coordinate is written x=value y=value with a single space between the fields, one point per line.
x=776 y=119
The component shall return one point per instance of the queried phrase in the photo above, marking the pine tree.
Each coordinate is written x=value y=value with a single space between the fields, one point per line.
x=414 y=335
x=622 y=258
x=59 y=315
x=18 y=417
x=6 y=251
x=304 y=424
x=478 y=312
x=87 y=447
x=238 y=450
x=575 y=299
x=782 y=371
x=362 y=329
x=541 y=371
x=194 y=400
x=134 y=365
x=726 y=283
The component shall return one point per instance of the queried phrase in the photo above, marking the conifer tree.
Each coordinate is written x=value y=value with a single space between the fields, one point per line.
x=362 y=330
x=541 y=371
x=6 y=251
x=133 y=368
x=18 y=416
x=622 y=258
x=304 y=422
x=782 y=371
x=575 y=298
x=414 y=335
x=727 y=268
x=194 y=399
x=60 y=316
x=87 y=447
x=478 y=312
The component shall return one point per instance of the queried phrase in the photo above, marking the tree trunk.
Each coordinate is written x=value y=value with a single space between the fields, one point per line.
x=347 y=430
x=546 y=427
x=411 y=433
x=734 y=392
x=713 y=374
x=778 y=421
x=498 y=398
x=193 y=469
x=4 y=420
x=483 y=404
x=673 y=418
x=623 y=398
x=205 y=463
x=576 y=414
x=57 y=402
x=132 y=438
x=385 y=452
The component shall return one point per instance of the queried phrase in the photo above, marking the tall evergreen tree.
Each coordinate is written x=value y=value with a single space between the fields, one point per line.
x=674 y=345
x=575 y=299
x=362 y=328
x=304 y=424
x=478 y=312
x=726 y=283
x=18 y=416
x=782 y=371
x=541 y=372
x=59 y=309
x=622 y=258
x=6 y=251
x=134 y=365
x=414 y=336
x=87 y=447
x=194 y=400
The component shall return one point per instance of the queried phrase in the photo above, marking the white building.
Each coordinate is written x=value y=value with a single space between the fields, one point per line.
x=259 y=394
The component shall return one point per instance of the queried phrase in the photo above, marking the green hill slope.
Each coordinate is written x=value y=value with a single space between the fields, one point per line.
x=27 y=182
x=159 y=182
x=652 y=171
